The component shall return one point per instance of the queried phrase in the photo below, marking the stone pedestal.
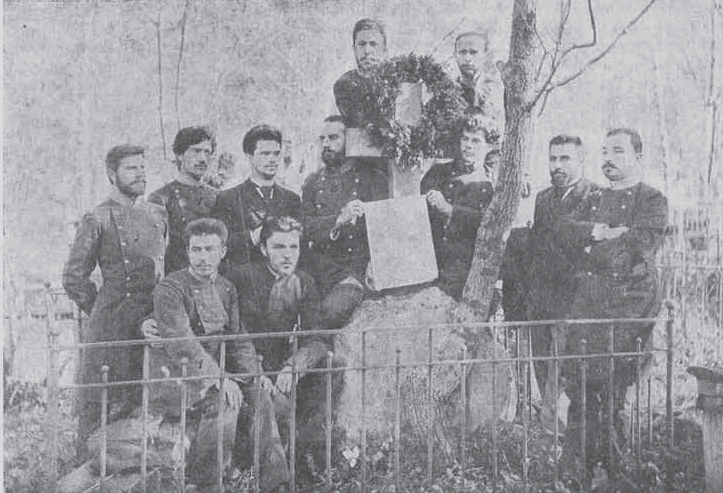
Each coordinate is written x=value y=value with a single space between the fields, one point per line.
x=413 y=314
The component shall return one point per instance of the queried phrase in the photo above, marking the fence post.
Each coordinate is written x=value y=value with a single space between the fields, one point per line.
x=430 y=411
x=397 y=420
x=463 y=431
x=257 y=423
x=583 y=406
x=184 y=405
x=103 y=426
x=329 y=424
x=144 y=419
x=669 y=387
x=53 y=390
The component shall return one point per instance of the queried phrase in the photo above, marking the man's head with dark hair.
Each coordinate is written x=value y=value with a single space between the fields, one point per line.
x=119 y=153
x=566 y=157
x=470 y=50
x=205 y=240
x=206 y=226
x=622 y=153
x=188 y=136
x=258 y=133
x=476 y=136
x=280 y=243
x=125 y=166
x=193 y=147
x=332 y=140
x=262 y=145
x=369 y=41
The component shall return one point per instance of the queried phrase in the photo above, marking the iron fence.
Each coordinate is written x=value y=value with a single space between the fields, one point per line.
x=515 y=336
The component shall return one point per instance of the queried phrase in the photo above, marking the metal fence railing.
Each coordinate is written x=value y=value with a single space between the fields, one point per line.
x=515 y=335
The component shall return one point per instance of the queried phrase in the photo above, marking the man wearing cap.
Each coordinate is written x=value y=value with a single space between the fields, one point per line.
x=479 y=79
x=335 y=231
x=187 y=197
x=457 y=194
x=126 y=238
x=245 y=207
x=618 y=230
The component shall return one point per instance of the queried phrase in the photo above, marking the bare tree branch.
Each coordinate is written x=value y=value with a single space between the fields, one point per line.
x=178 y=64
x=712 y=97
x=160 y=81
x=604 y=52
x=589 y=44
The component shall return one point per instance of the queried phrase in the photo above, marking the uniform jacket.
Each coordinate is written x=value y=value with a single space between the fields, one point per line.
x=357 y=99
x=185 y=306
x=127 y=241
x=243 y=209
x=183 y=203
x=325 y=193
x=454 y=239
x=262 y=308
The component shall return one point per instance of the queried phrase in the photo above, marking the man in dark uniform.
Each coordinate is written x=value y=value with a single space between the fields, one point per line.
x=480 y=81
x=198 y=302
x=245 y=207
x=274 y=297
x=457 y=194
x=619 y=231
x=549 y=267
x=126 y=238
x=186 y=198
x=355 y=92
x=335 y=231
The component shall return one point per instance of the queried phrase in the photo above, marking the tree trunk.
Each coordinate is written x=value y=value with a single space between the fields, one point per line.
x=518 y=76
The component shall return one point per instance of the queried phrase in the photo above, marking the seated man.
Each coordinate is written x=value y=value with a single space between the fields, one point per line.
x=275 y=297
x=332 y=208
x=457 y=194
x=198 y=302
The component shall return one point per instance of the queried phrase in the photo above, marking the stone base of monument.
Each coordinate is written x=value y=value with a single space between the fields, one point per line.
x=413 y=314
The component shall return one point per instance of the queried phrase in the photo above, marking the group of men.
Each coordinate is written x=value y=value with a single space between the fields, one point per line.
x=257 y=258
x=590 y=254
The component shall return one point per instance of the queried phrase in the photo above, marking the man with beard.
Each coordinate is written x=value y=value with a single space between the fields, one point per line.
x=549 y=266
x=245 y=207
x=617 y=231
x=479 y=79
x=186 y=198
x=355 y=92
x=457 y=194
x=126 y=238
x=277 y=297
x=336 y=233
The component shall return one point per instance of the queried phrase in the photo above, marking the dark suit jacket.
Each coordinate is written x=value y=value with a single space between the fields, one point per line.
x=243 y=209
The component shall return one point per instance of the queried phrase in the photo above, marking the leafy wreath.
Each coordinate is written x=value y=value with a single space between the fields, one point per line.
x=435 y=136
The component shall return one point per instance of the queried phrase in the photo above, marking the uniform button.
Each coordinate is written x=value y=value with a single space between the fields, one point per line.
x=318 y=206
x=589 y=273
x=128 y=278
x=183 y=219
x=450 y=185
x=120 y=227
x=356 y=180
x=348 y=250
x=622 y=206
x=125 y=261
x=629 y=192
x=123 y=243
x=594 y=208
x=351 y=237
x=354 y=194
x=444 y=238
x=128 y=295
x=321 y=191
x=322 y=178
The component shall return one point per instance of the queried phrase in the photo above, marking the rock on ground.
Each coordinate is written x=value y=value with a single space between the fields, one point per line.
x=412 y=315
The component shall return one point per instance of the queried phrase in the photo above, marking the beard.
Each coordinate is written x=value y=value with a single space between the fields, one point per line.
x=559 y=180
x=332 y=159
x=133 y=189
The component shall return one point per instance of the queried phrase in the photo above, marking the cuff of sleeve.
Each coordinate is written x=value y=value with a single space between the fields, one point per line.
x=255 y=235
x=334 y=234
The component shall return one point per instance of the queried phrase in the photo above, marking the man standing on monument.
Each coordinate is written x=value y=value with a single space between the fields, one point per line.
x=479 y=78
x=126 y=238
x=335 y=231
x=457 y=194
x=245 y=207
x=355 y=92
x=186 y=198
x=619 y=231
